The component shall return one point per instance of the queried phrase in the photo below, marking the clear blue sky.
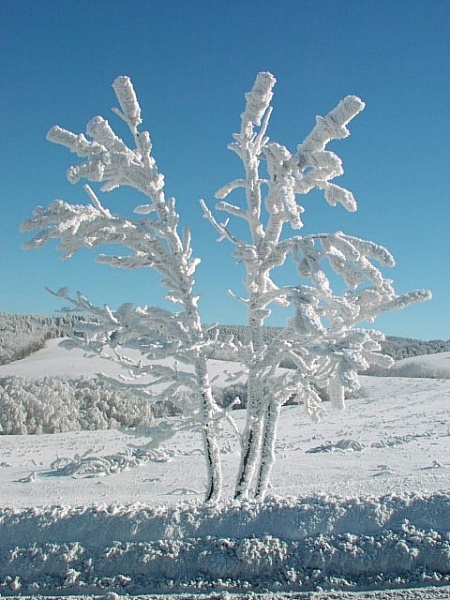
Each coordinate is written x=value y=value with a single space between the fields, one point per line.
x=191 y=62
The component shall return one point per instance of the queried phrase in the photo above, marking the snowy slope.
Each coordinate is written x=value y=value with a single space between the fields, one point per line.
x=434 y=364
x=367 y=502
x=56 y=361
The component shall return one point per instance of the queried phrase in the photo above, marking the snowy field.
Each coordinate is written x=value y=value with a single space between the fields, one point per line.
x=360 y=502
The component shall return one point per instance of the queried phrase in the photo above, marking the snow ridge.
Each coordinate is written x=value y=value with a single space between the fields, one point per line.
x=280 y=545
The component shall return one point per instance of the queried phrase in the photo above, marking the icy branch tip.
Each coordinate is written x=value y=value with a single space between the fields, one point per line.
x=422 y=295
x=127 y=99
x=58 y=135
x=347 y=108
x=258 y=100
x=264 y=79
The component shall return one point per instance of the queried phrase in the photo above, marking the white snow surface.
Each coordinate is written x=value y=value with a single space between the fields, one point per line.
x=360 y=504
x=438 y=362
x=58 y=362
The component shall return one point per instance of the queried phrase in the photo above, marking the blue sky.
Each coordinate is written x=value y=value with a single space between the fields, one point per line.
x=191 y=61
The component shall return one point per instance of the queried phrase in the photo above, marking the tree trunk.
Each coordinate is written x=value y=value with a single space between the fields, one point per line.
x=271 y=417
x=249 y=456
x=212 y=450
x=254 y=426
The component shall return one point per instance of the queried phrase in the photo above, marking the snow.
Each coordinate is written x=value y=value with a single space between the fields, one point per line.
x=434 y=364
x=55 y=361
x=359 y=502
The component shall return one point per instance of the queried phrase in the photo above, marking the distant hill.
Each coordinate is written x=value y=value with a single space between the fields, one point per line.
x=397 y=347
x=21 y=335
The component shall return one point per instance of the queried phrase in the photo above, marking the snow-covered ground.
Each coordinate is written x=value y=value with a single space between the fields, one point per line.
x=360 y=501
x=432 y=365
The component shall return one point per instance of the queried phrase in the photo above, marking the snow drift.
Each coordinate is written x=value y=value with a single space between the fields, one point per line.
x=282 y=545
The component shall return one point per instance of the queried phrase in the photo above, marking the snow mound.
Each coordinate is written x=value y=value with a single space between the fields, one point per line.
x=345 y=444
x=97 y=466
x=282 y=545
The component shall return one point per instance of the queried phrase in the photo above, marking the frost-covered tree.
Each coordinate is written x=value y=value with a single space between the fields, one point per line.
x=152 y=241
x=320 y=338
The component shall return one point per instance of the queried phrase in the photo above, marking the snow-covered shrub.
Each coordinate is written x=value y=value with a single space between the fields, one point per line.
x=415 y=369
x=55 y=405
x=235 y=395
x=419 y=370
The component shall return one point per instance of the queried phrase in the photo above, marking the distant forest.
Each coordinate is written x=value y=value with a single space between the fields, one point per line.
x=21 y=335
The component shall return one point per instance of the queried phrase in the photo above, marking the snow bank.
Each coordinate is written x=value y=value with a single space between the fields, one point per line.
x=292 y=519
x=282 y=544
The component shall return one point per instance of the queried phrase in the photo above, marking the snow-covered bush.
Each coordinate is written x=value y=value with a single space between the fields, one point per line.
x=419 y=370
x=320 y=338
x=235 y=395
x=56 y=405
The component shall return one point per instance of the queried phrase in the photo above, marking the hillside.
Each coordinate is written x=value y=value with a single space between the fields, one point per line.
x=21 y=335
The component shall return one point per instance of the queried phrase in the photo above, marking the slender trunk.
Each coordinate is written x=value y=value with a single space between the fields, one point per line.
x=207 y=407
x=214 y=474
x=212 y=450
x=249 y=456
x=255 y=282
x=271 y=417
x=253 y=428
